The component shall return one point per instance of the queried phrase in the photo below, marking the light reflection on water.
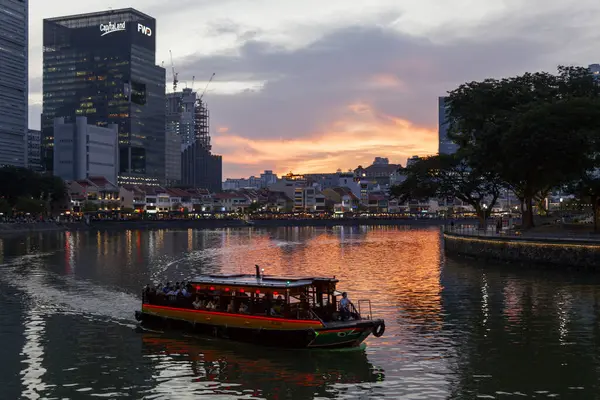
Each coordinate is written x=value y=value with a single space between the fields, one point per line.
x=455 y=328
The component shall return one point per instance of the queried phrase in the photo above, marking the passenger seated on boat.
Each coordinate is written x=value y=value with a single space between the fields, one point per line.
x=230 y=306
x=211 y=305
x=197 y=303
x=266 y=304
x=243 y=308
x=187 y=291
x=172 y=295
x=277 y=309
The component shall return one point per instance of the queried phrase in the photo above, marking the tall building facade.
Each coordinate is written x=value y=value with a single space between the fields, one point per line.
x=180 y=130
x=595 y=70
x=200 y=168
x=34 y=140
x=13 y=82
x=188 y=121
x=445 y=145
x=182 y=117
x=102 y=66
x=82 y=151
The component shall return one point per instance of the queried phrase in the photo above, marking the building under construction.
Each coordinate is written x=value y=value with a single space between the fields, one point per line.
x=188 y=150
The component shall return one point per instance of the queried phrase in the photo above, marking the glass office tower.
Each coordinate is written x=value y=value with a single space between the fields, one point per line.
x=445 y=144
x=13 y=82
x=102 y=66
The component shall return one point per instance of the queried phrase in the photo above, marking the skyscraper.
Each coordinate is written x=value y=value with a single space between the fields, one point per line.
x=102 y=66
x=13 y=82
x=180 y=130
x=188 y=116
x=595 y=70
x=34 y=138
x=200 y=168
x=445 y=145
x=187 y=119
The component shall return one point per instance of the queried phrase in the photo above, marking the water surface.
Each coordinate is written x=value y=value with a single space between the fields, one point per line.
x=456 y=329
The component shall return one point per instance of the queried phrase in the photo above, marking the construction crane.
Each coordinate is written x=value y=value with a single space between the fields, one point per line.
x=209 y=81
x=174 y=73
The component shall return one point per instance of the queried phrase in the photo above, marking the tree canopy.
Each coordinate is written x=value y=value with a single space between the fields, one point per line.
x=533 y=132
x=448 y=176
x=24 y=190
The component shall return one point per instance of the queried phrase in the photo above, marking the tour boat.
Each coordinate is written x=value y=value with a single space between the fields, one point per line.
x=292 y=312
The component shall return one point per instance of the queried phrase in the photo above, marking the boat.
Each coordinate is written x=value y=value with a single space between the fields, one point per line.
x=291 y=312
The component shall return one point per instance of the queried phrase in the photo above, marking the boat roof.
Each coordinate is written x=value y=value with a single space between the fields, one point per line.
x=263 y=281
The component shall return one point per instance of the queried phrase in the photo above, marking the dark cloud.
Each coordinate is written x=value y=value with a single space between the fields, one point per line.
x=310 y=86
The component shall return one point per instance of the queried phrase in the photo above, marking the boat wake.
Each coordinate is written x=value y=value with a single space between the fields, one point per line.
x=51 y=293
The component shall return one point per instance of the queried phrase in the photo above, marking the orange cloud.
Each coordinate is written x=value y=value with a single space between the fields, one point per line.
x=222 y=129
x=356 y=139
x=386 y=81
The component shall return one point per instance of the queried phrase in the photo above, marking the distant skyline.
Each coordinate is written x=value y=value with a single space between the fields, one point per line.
x=317 y=86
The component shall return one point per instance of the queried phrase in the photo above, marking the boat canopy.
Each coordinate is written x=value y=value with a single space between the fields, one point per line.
x=266 y=281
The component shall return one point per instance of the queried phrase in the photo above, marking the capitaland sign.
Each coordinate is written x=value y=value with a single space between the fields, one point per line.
x=111 y=28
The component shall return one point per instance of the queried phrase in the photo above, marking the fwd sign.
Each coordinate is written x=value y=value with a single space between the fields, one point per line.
x=145 y=30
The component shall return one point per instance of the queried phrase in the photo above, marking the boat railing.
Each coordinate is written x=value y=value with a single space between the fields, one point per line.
x=315 y=316
x=367 y=303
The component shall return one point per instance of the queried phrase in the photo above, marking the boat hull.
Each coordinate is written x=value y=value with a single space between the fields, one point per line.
x=258 y=330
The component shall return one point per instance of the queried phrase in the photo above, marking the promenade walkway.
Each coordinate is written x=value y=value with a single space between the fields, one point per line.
x=542 y=233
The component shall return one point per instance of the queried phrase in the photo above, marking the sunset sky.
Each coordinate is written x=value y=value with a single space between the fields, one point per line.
x=312 y=86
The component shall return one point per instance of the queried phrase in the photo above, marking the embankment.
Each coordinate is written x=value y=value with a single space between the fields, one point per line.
x=270 y=223
x=22 y=228
x=573 y=252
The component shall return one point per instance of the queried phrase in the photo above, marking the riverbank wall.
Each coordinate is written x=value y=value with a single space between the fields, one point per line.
x=569 y=252
x=24 y=228
x=267 y=223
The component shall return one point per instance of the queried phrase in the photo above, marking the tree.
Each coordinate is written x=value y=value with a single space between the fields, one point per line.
x=419 y=182
x=5 y=208
x=588 y=188
x=547 y=146
x=16 y=182
x=30 y=205
x=176 y=207
x=540 y=201
x=532 y=131
x=445 y=176
x=254 y=207
x=53 y=191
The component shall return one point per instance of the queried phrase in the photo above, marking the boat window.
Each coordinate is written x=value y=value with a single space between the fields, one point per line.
x=284 y=303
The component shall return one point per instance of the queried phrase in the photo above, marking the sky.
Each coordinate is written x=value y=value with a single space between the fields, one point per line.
x=312 y=86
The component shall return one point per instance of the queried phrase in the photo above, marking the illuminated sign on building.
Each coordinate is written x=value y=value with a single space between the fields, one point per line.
x=110 y=28
x=145 y=30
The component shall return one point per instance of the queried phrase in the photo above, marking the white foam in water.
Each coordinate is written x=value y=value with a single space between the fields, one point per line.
x=279 y=243
x=74 y=297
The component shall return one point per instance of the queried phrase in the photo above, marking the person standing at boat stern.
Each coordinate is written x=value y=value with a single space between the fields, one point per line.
x=345 y=304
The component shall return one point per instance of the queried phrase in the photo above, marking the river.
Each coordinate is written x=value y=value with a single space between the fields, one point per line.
x=456 y=328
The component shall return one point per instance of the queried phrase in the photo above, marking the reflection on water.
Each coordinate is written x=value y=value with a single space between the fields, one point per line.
x=231 y=368
x=455 y=328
